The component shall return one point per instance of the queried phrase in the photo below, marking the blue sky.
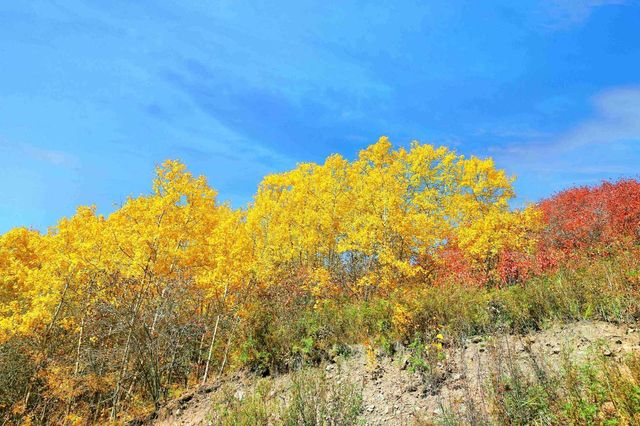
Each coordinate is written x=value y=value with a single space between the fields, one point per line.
x=94 y=94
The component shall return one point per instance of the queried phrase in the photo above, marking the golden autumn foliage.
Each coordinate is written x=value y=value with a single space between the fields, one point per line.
x=116 y=312
x=384 y=219
x=22 y=302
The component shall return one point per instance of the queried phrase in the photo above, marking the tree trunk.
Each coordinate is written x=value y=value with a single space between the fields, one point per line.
x=213 y=337
x=125 y=356
x=213 y=340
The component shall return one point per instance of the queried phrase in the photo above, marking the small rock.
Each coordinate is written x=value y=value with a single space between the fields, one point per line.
x=606 y=352
x=555 y=351
x=405 y=364
x=476 y=339
x=371 y=408
x=239 y=395
x=178 y=412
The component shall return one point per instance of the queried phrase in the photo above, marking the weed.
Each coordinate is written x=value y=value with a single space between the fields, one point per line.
x=317 y=401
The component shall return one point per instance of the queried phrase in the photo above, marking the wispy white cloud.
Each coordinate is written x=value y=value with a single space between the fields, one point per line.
x=50 y=156
x=562 y=14
x=510 y=132
x=604 y=144
x=56 y=158
x=616 y=118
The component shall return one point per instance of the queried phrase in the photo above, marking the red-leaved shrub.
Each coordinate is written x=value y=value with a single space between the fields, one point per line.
x=605 y=217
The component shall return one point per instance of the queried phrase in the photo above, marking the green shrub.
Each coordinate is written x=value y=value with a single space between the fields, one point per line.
x=601 y=391
x=317 y=401
x=312 y=400
x=253 y=410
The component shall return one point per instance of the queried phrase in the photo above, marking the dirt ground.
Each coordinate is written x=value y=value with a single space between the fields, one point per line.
x=395 y=394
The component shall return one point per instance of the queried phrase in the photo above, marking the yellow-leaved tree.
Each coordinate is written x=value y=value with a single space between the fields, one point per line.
x=382 y=220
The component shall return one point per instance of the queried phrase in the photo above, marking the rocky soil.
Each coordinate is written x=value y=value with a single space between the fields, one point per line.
x=394 y=393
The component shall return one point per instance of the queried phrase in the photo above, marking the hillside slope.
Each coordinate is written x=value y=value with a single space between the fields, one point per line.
x=395 y=390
